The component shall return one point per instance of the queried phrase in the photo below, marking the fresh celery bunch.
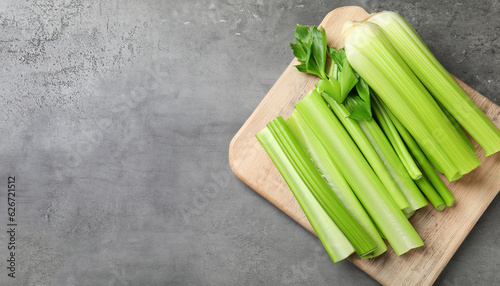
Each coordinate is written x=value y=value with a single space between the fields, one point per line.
x=423 y=161
x=333 y=176
x=387 y=216
x=372 y=55
x=394 y=164
x=300 y=162
x=337 y=87
x=336 y=244
x=438 y=81
x=383 y=169
x=395 y=129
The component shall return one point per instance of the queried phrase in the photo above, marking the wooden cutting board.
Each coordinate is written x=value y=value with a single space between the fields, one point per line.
x=442 y=232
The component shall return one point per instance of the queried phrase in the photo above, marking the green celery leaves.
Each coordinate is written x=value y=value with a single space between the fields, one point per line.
x=310 y=49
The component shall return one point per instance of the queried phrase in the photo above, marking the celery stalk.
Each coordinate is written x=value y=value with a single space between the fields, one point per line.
x=373 y=57
x=395 y=139
x=387 y=216
x=457 y=127
x=438 y=81
x=358 y=237
x=423 y=162
x=382 y=169
x=336 y=244
x=332 y=174
x=394 y=164
x=426 y=187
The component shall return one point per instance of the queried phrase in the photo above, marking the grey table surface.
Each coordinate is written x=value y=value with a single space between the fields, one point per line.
x=116 y=121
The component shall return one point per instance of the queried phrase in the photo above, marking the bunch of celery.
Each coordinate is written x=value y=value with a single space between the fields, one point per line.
x=348 y=96
x=359 y=151
x=393 y=60
x=437 y=80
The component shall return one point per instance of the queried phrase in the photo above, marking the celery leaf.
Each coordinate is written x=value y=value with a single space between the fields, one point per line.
x=311 y=49
x=358 y=108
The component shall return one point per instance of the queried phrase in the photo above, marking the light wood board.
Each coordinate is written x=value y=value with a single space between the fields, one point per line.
x=442 y=232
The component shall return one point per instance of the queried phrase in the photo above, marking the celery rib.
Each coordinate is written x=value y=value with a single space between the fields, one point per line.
x=395 y=139
x=395 y=166
x=457 y=127
x=426 y=187
x=423 y=162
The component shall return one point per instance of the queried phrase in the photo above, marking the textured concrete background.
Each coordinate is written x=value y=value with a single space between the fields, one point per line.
x=116 y=120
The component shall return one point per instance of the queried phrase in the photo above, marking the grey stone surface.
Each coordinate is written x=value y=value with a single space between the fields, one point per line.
x=116 y=120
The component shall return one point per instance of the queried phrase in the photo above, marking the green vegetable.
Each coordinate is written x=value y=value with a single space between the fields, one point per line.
x=426 y=187
x=364 y=93
x=385 y=150
x=347 y=80
x=371 y=54
x=359 y=105
x=360 y=240
x=457 y=127
x=397 y=143
x=330 y=87
x=333 y=176
x=311 y=49
x=382 y=114
x=338 y=57
x=385 y=213
x=423 y=162
x=358 y=101
x=373 y=158
x=332 y=238
x=438 y=81
x=357 y=108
